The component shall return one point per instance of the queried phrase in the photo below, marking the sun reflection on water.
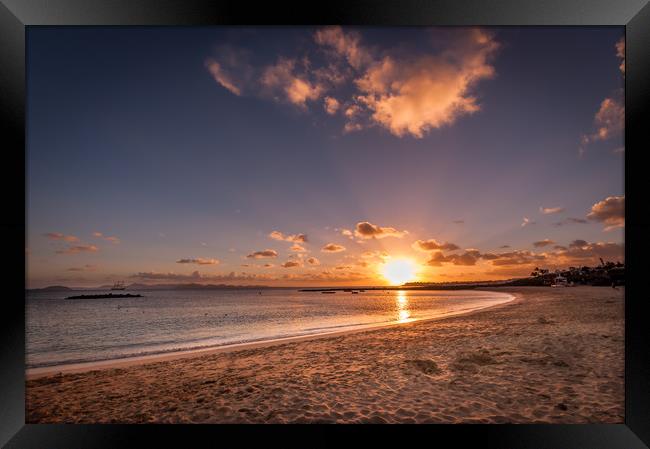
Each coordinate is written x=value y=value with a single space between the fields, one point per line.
x=403 y=314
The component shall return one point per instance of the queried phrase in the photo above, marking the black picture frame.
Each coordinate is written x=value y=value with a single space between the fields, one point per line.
x=16 y=15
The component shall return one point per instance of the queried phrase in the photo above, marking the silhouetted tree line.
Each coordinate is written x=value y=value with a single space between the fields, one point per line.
x=605 y=274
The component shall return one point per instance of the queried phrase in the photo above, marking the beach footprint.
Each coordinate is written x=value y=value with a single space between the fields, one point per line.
x=426 y=366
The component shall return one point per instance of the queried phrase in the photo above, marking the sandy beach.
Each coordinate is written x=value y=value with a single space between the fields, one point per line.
x=551 y=356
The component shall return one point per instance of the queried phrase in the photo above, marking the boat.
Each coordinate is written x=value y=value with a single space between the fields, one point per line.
x=119 y=285
x=560 y=281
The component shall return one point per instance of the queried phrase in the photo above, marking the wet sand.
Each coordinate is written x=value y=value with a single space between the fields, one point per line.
x=552 y=356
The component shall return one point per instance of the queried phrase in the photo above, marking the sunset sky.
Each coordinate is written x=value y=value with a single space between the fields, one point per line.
x=314 y=156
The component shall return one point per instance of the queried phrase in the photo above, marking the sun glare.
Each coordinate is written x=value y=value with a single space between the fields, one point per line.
x=399 y=271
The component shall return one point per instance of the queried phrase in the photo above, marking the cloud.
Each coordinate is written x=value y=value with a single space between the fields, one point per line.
x=111 y=239
x=346 y=45
x=620 y=53
x=367 y=230
x=291 y=264
x=346 y=232
x=86 y=267
x=433 y=245
x=405 y=92
x=332 y=248
x=328 y=276
x=296 y=238
x=504 y=246
x=610 y=211
x=412 y=95
x=59 y=236
x=332 y=105
x=570 y=220
x=313 y=261
x=198 y=277
x=231 y=70
x=78 y=249
x=296 y=247
x=514 y=258
x=379 y=255
x=527 y=221
x=468 y=258
x=222 y=77
x=268 y=265
x=581 y=251
x=543 y=243
x=199 y=261
x=267 y=253
x=609 y=120
x=283 y=81
x=550 y=210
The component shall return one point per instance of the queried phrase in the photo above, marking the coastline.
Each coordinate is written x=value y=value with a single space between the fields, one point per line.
x=72 y=368
x=550 y=356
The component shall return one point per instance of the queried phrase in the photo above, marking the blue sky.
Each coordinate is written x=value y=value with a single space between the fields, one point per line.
x=198 y=143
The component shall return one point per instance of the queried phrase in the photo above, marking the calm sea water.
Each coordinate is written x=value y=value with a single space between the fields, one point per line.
x=63 y=331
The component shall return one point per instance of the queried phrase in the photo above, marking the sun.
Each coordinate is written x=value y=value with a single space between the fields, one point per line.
x=399 y=271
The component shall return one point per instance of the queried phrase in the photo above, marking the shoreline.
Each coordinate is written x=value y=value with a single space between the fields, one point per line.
x=124 y=362
x=549 y=356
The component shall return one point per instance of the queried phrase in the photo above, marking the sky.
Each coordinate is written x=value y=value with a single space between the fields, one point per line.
x=321 y=155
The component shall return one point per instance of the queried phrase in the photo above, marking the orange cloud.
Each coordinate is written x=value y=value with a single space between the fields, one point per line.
x=413 y=96
x=222 y=77
x=406 y=94
x=291 y=264
x=550 y=210
x=86 y=267
x=610 y=211
x=111 y=239
x=332 y=105
x=542 y=243
x=199 y=261
x=267 y=253
x=609 y=121
x=332 y=248
x=59 y=236
x=620 y=53
x=78 y=249
x=296 y=247
x=296 y=238
x=346 y=45
x=366 y=230
x=195 y=276
x=313 y=261
x=527 y=221
x=433 y=245
x=468 y=258
x=282 y=78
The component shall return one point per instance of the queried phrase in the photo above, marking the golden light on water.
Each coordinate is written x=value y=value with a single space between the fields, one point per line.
x=403 y=314
x=399 y=271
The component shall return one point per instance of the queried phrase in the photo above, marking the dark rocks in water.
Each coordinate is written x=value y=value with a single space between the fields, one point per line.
x=102 y=296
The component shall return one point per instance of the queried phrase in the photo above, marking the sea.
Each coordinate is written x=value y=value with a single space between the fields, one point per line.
x=62 y=332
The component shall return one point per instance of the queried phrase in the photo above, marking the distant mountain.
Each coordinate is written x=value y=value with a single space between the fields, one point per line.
x=52 y=288
x=192 y=286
